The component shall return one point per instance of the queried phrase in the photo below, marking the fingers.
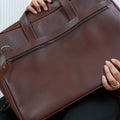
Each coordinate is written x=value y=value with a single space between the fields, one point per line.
x=112 y=79
x=116 y=62
x=109 y=76
x=36 y=5
x=29 y=8
x=43 y=4
x=113 y=70
x=49 y=1
x=106 y=84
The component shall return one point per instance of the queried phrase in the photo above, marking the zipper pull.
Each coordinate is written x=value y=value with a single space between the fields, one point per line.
x=9 y=61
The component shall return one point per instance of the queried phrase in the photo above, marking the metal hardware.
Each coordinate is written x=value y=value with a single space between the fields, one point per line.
x=3 y=47
x=9 y=61
x=4 y=67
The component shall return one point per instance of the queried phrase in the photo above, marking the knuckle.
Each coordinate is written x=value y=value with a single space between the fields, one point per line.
x=37 y=6
x=31 y=3
x=110 y=65
x=118 y=63
x=116 y=73
x=43 y=4
x=28 y=7
x=111 y=80
x=107 y=72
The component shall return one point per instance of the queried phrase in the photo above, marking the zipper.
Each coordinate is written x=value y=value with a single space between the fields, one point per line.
x=13 y=59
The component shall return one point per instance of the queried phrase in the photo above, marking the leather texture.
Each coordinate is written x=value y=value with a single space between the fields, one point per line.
x=57 y=57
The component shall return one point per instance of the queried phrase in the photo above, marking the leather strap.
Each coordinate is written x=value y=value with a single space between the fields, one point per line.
x=3 y=70
x=63 y=29
x=27 y=27
x=68 y=8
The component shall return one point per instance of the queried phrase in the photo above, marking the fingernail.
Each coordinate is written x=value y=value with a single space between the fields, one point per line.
x=103 y=76
x=46 y=8
x=107 y=62
x=35 y=12
x=105 y=66
x=113 y=59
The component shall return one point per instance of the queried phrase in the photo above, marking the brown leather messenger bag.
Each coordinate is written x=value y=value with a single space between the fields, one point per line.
x=55 y=58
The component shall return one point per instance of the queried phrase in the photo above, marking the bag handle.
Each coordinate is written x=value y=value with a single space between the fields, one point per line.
x=80 y=18
x=68 y=8
x=27 y=27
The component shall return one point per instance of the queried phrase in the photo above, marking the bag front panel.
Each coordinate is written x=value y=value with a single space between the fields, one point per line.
x=65 y=67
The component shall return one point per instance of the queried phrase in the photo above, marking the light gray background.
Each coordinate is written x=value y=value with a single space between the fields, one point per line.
x=11 y=11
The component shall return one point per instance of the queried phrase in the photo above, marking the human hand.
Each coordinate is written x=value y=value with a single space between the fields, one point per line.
x=111 y=81
x=35 y=6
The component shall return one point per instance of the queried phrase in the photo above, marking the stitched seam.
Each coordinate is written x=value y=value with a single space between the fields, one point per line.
x=53 y=40
x=9 y=93
x=9 y=30
x=115 y=5
x=52 y=12
x=87 y=93
x=31 y=21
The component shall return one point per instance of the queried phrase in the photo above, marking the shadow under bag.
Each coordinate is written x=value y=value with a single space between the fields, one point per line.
x=55 y=58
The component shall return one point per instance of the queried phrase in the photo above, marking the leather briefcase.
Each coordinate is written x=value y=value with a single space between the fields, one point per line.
x=56 y=57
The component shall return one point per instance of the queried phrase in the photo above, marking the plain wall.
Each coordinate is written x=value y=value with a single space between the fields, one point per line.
x=10 y=12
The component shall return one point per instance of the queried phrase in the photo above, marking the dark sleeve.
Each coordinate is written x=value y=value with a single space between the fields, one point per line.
x=116 y=93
